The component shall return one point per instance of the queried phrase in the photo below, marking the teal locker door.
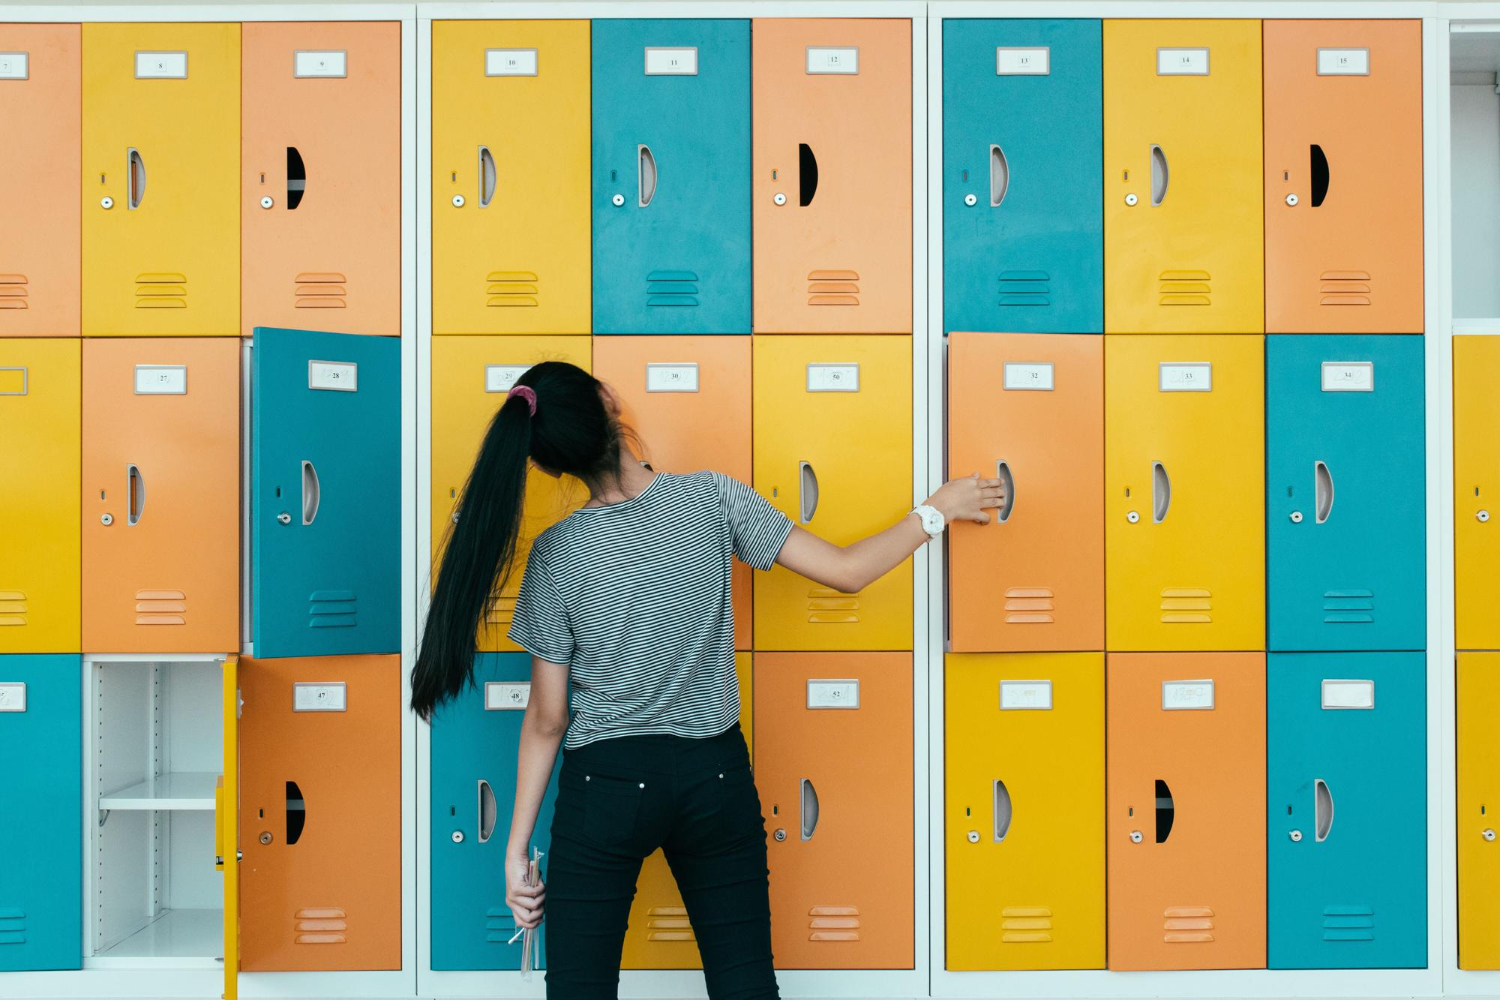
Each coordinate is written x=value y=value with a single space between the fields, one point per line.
x=671 y=124
x=1347 y=806
x=474 y=742
x=325 y=494
x=1023 y=176
x=41 y=812
x=1345 y=487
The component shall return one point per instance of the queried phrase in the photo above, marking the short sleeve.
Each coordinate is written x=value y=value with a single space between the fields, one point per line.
x=540 y=623
x=759 y=529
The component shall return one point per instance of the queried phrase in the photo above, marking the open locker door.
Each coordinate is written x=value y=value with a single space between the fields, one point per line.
x=227 y=826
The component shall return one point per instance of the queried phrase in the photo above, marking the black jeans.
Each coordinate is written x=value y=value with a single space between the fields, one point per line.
x=618 y=801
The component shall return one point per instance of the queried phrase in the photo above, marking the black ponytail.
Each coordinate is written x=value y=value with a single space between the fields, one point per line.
x=572 y=432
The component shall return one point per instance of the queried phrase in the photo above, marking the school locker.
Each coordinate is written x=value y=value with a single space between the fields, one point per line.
x=471 y=377
x=1182 y=167
x=832 y=187
x=1476 y=483
x=1184 y=474
x=510 y=164
x=671 y=176
x=473 y=768
x=161 y=499
x=325 y=494
x=1478 y=771
x=1023 y=230
x=40 y=387
x=321 y=176
x=1028 y=409
x=41 y=815
x=1343 y=176
x=320 y=813
x=1334 y=820
x=832 y=446
x=1345 y=493
x=1186 y=748
x=687 y=402
x=833 y=764
x=161 y=153
x=40 y=112
x=1024 y=811
x=660 y=935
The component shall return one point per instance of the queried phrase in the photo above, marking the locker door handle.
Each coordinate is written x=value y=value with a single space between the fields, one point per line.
x=1159 y=175
x=487 y=180
x=807 y=497
x=1008 y=481
x=1322 y=492
x=1322 y=810
x=135 y=179
x=1319 y=168
x=645 y=175
x=809 y=804
x=1161 y=492
x=1166 y=811
x=999 y=176
x=135 y=494
x=807 y=174
x=1002 y=809
x=487 y=811
x=296 y=178
x=312 y=494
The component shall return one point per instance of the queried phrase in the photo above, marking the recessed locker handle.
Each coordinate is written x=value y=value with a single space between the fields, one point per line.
x=808 y=494
x=1159 y=174
x=487 y=180
x=1002 y=809
x=296 y=178
x=999 y=176
x=135 y=179
x=809 y=803
x=312 y=493
x=1008 y=481
x=1161 y=492
x=1319 y=170
x=807 y=174
x=1166 y=811
x=135 y=494
x=487 y=811
x=645 y=175
x=1322 y=492
x=1322 y=810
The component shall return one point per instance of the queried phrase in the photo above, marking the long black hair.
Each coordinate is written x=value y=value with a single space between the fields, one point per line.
x=573 y=432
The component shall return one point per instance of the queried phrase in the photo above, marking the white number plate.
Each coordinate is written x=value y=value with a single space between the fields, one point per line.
x=1178 y=696
x=510 y=62
x=502 y=378
x=328 y=697
x=14 y=65
x=832 y=61
x=1348 y=376
x=1348 y=694
x=13 y=696
x=1023 y=62
x=1025 y=695
x=832 y=378
x=1343 y=62
x=313 y=65
x=503 y=696
x=1192 y=376
x=672 y=62
x=1181 y=62
x=160 y=380
x=832 y=694
x=671 y=378
x=161 y=65
x=338 y=376
x=1035 y=375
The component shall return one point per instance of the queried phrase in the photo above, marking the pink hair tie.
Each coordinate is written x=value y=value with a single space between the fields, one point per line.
x=525 y=392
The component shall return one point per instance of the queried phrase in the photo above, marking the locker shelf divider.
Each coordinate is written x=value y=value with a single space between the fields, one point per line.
x=185 y=790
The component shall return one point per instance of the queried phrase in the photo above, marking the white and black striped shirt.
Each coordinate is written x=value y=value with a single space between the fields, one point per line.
x=634 y=597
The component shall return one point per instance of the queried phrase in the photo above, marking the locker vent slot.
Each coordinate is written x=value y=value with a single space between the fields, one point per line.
x=668 y=923
x=1026 y=925
x=160 y=607
x=1186 y=606
x=1348 y=923
x=1188 y=925
x=671 y=288
x=499 y=925
x=511 y=289
x=12 y=926
x=160 y=290
x=833 y=288
x=13 y=291
x=1025 y=288
x=1029 y=606
x=1344 y=288
x=321 y=925
x=1185 y=288
x=826 y=606
x=1348 y=607
x=501 y=612
x=833 y=923
x=332 y=609
x=320 y=290
x=12 y=608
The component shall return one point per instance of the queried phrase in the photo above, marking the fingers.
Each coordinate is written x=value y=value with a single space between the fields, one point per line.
x=981 y=518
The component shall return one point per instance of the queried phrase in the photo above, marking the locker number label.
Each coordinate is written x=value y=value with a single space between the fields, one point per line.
x=506 y=696
x=1339 y=694
x=14 y=65
x=324 y=65
x=1023 y=62
x=1343 y=62
x=13 y=696
x=1187 y=696
x=338 y=376
x=672 y=62
x=671 y=378
x=1181 y=62
x=832 y=378
x=1348 y=376
x=1191 y=376
x=823 y=61
x=13 y=381
x=328 y=697
x=502 y=378
x=161 y=65
x=832 y=694
x=1022 y=375
x=510 y=62
x=1023 y=696
x=161 y=380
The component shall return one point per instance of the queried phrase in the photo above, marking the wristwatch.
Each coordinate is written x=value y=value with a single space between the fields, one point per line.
x=932 y=520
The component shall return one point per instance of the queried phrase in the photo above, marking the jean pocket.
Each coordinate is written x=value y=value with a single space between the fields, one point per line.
x=739 y=804
x=612 y=808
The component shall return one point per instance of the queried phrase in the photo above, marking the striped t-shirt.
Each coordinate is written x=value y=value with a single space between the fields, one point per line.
x=634 y=597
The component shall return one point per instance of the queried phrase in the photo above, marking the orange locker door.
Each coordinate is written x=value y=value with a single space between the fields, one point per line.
x=1028 y=408
x=833 y=763
x=320 y=814
x=320 y=196
x=1186 y=766
x=41 y=117
x=161 y=495
x=831 y=121
x=1343 y=112
x=688 y=401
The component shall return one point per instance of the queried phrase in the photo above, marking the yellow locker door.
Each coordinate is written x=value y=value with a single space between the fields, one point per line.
x=40 y=448
x=161 y=161
x=1184 y=472
x=470 y=377
x=1183 y=222
x=833 y=451
x=1024 y=811
x=1478 y=811
x=227 y=824
x=511 y=240
x=1476 y=490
